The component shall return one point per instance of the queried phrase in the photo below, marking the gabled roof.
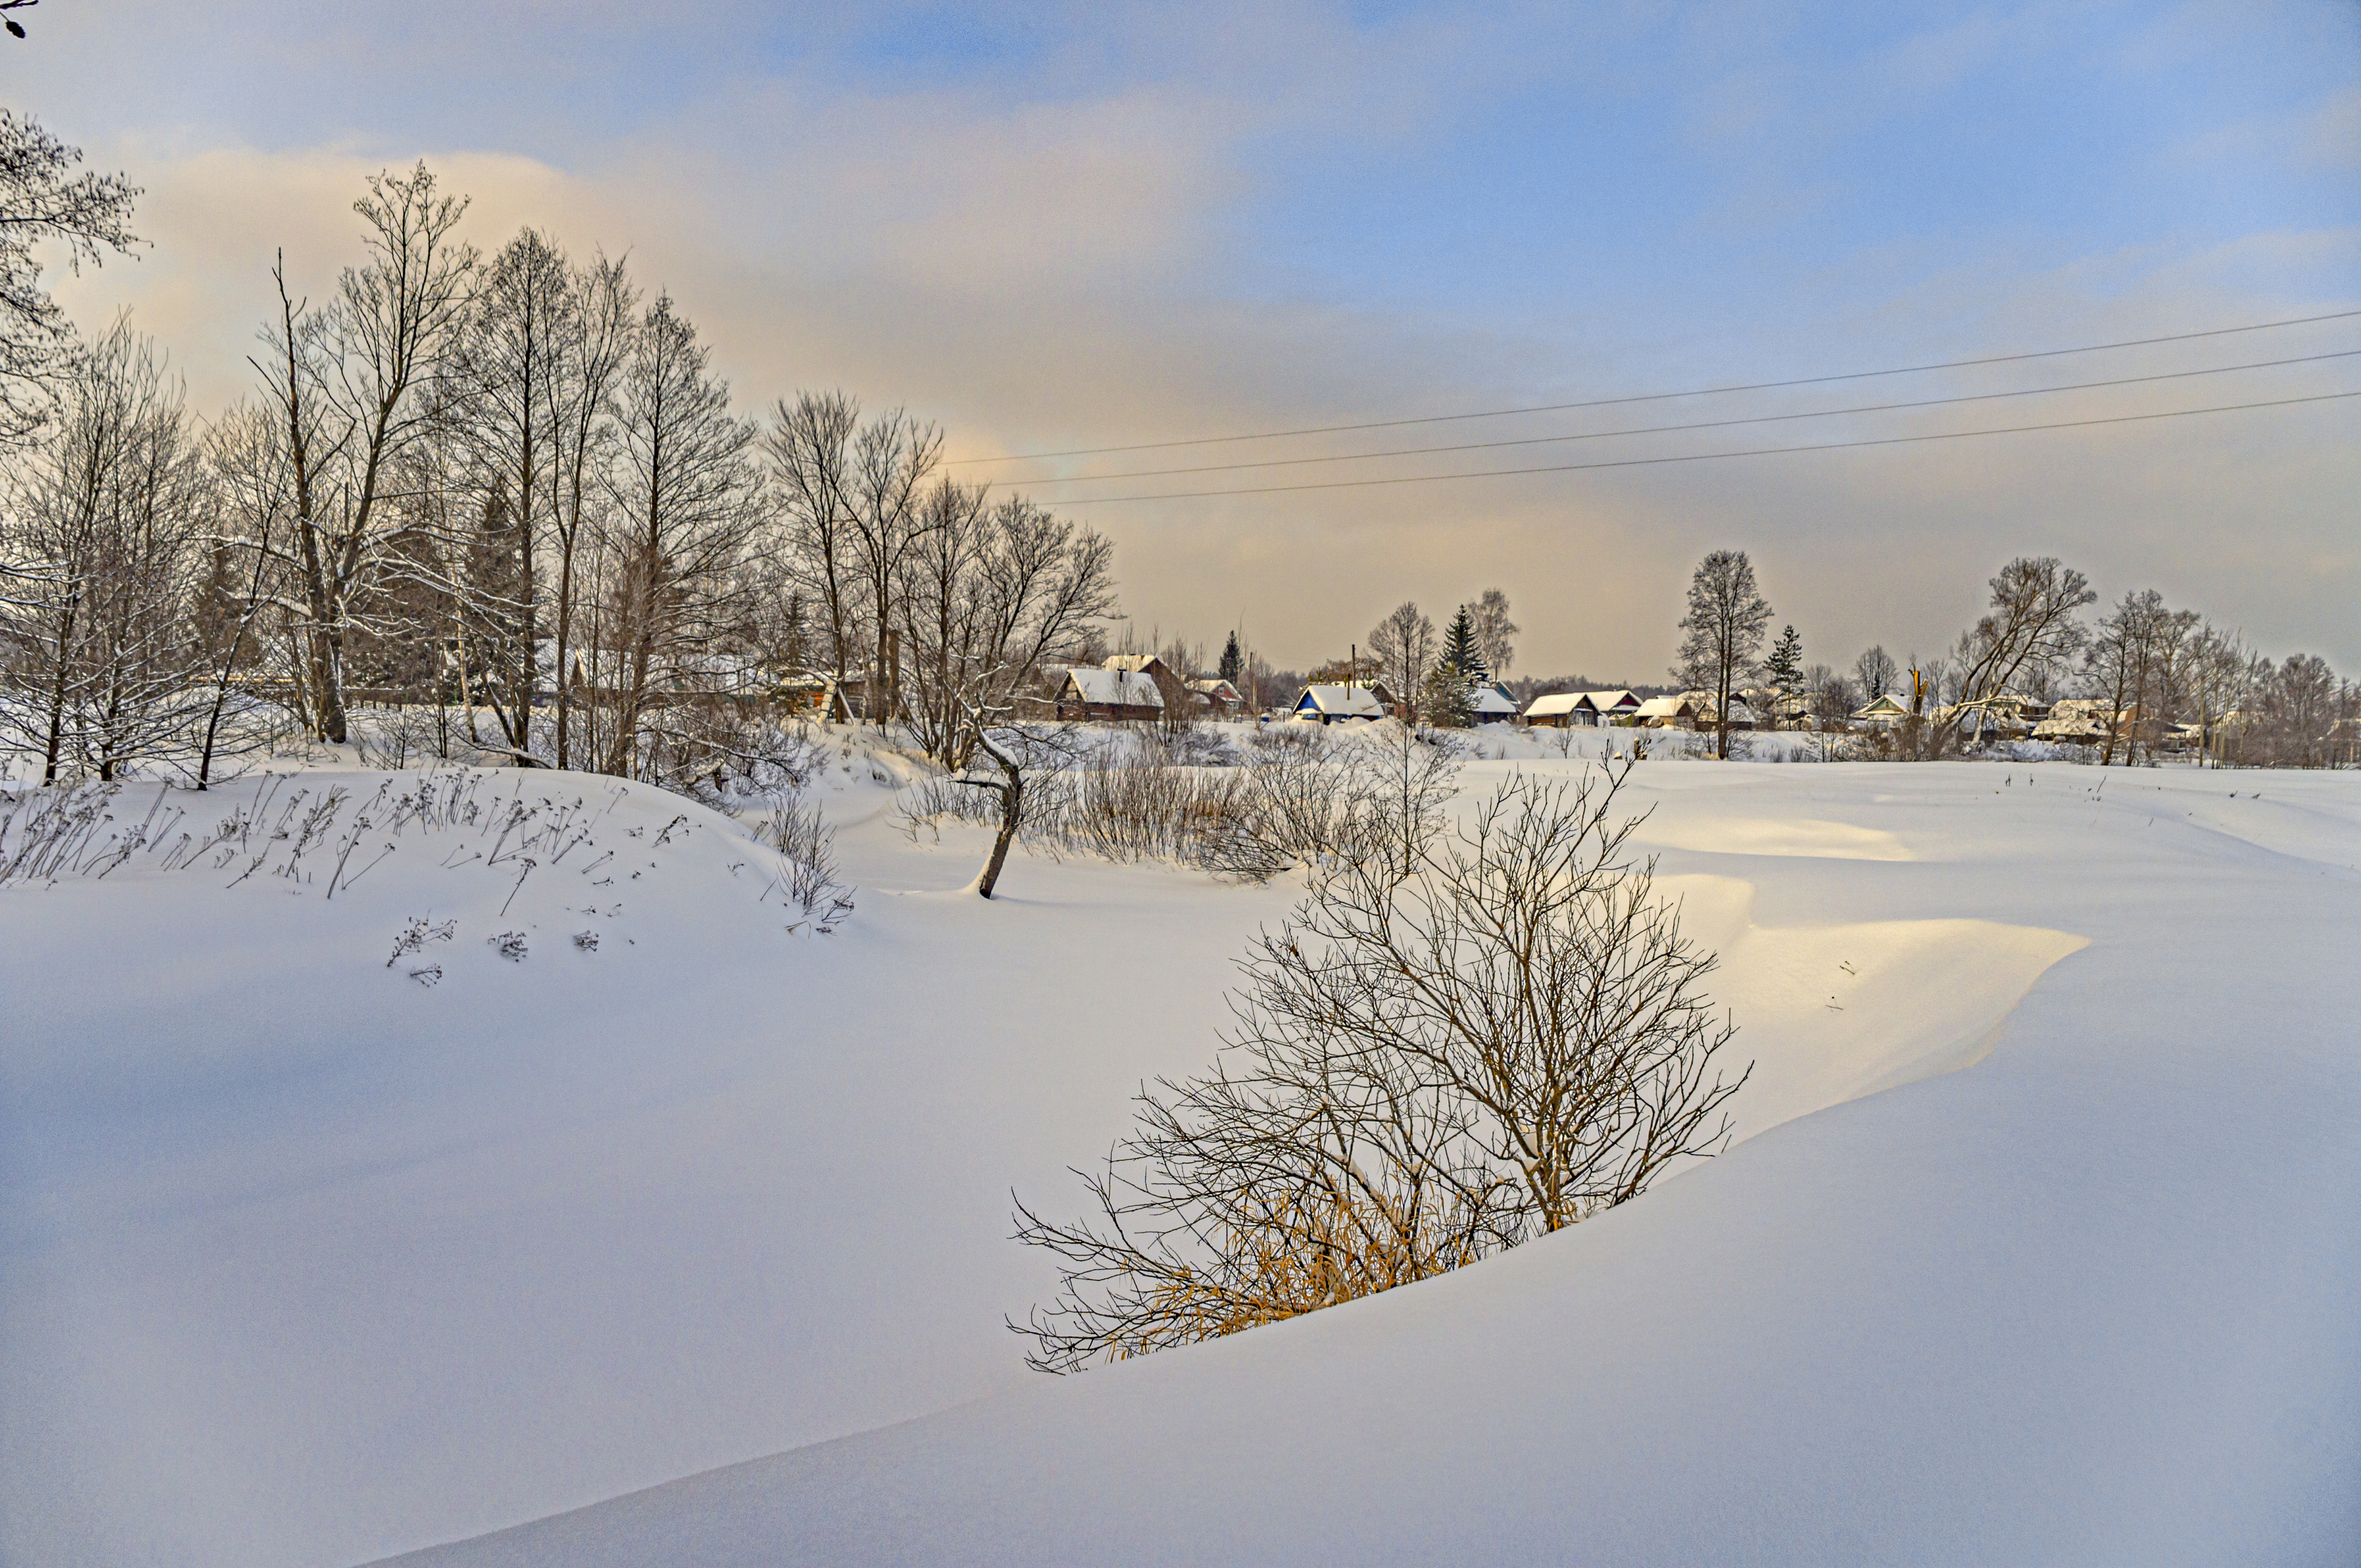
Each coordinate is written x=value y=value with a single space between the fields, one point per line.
x=1885 y=705
x=1214 y=686
x=1667 y=708
x=1550 y=706
x=1134 y=661
x=1116 y=688
x=1340 y=702
x=1490 y=700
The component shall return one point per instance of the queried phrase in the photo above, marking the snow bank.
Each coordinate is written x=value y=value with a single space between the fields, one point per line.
x=302 y=1261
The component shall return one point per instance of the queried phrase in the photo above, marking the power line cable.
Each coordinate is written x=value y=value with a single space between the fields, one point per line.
x=1695 y=424
x=1710 y=456
x=1663 y=397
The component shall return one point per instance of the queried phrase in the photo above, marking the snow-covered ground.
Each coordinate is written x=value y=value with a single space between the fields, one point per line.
x=304 y=1261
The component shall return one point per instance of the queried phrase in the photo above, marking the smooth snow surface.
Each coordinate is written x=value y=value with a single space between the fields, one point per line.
x=302 y=1261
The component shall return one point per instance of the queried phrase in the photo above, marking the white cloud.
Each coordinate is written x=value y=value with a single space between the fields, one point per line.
x=1064 y=267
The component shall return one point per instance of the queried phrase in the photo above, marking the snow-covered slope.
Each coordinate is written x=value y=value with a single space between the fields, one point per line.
x=302 y=1261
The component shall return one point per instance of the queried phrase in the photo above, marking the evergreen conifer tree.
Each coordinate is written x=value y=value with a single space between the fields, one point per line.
x=1785 y=668
x=1231 y=663
x=1462 y=650
x=1450 y=688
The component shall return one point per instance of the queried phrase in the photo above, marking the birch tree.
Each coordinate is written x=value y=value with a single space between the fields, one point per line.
x=1726 y=620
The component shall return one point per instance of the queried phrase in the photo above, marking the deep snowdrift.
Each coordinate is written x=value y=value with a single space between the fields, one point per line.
x=302 y=1261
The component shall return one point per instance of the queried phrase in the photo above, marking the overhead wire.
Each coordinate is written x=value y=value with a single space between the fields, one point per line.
x=1664 y=396
x=1691 y=425
x=1710 y=456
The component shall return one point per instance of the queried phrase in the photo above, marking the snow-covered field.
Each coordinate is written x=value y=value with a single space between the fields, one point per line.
x=2038 y=1245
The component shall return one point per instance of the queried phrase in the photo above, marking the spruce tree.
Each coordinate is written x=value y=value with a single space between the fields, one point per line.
x=1785 y=668
x=1462 y=650
x=1450 y=688
x=1231 y=664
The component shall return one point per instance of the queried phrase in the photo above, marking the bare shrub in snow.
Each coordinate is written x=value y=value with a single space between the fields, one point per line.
x=808 y=877
x=417 y=934
x=1297 y=798
x=1429 y=1064
x=510 y=944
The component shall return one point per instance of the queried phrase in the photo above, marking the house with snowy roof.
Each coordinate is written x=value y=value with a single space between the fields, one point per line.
x=1491 y=704
x=1881 y=711
x=1667 y=713
x=1113 y=696
x=1332 y=704
x=1215 y=697
x=1168 y=680
x=1561 y=710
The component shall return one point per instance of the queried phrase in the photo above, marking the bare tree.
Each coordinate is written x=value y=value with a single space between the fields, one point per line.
x=503 y=384
x=809 y=450
x=354 y=386
x=1876 y=672
x=990 y=596
x=2219 y=681
x=893 y=456
x=1424 y=1071
x=99 y=660
x=2136 y=645
x=1725 y=625
x=1494 y=632
x=1403 y=646
x=686 y=508
x=44 y=201
x=600 y=320
x=250 y=501
x=2032 y=627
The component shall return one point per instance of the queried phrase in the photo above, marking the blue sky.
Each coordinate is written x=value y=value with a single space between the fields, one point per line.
x=1061 y=226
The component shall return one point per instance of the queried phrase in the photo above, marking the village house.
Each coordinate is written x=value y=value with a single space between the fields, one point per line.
x=1561 y=710
x=1215 y=697
x=1114 y=696
x=1666 y=713
x=1331 y=705
x=2081 y=721
x=1168 y=684
x=1741 y=716
x=1881 y=712
x=1490 y=705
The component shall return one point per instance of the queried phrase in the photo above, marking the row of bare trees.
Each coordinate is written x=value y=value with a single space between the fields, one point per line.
x=513 y=491
x=2153 y=670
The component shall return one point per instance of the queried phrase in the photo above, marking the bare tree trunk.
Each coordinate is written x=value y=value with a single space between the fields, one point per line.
x=1012 y=811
